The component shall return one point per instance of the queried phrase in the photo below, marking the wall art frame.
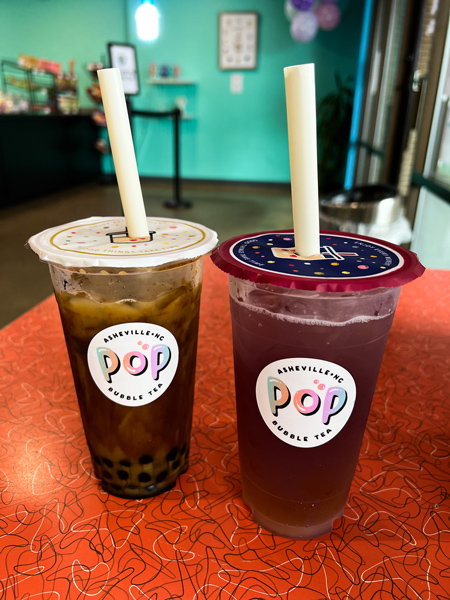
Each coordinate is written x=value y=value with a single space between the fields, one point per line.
x=238 y=40
x=123 y=57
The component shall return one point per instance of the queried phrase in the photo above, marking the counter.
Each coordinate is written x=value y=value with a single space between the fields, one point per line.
x=42 y=154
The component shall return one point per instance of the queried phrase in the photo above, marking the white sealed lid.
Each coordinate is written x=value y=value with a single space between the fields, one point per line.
x=104 y=242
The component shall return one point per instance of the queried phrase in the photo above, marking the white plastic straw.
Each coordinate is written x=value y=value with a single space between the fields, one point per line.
x=301 y=117
x=121 y=141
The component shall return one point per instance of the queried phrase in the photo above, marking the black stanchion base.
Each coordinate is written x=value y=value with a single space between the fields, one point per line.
x=174 y=203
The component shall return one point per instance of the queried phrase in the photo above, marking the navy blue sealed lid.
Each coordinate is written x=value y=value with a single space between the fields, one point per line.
x=347 y=262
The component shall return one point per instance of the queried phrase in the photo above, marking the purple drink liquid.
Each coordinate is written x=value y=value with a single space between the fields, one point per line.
x=296 y=491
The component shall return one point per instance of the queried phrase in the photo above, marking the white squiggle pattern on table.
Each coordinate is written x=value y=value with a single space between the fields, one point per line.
x=61 y=536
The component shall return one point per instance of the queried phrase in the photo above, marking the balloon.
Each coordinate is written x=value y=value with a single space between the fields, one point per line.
x=302 y=4
x=289 y=10
x=328 y=16
x=304 y=27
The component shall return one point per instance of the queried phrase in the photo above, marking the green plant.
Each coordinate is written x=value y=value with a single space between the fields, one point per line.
x=334 y=117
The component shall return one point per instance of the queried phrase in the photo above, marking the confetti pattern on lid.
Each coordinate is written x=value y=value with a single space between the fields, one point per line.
x=110 y=238
x=347 y=262
x=104 y=241
x=340 y=257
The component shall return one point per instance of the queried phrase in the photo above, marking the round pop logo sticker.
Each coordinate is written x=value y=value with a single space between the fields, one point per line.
x=305 y=402
x=133 y=363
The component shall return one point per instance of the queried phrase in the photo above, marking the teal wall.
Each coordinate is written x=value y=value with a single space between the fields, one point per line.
x=238 y=137
x=62 y=30
x=233 y=137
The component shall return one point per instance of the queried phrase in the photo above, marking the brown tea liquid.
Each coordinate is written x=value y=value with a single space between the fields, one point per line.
x=137 y=451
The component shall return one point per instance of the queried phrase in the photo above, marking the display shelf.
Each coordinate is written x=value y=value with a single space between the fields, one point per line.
x=170 y=81
x=45 y=91
x=39 y=87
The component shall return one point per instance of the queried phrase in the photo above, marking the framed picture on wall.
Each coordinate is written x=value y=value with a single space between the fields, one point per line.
x=238 y=40
x=123 y=57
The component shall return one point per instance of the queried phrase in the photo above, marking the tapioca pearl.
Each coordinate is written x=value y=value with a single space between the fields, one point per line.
x=116 y=487
x=97 y=460
x=183 y=449
x=172 y=454
x=125 y=463
x=107 y=462
x=144 y=477
x=106 y=474
x=161 y=476
x=122 y=474
x=175 y=465
x=145 y=459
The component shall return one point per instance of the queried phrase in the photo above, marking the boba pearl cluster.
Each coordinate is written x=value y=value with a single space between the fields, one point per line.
x=145 y=477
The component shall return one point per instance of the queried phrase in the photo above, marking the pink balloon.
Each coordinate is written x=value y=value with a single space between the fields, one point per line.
x=304 y=27
x=328 y=16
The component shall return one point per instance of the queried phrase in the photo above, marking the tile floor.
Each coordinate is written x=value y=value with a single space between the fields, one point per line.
x=229 y=209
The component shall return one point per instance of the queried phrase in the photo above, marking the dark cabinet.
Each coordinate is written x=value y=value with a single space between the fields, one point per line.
x=40 y=154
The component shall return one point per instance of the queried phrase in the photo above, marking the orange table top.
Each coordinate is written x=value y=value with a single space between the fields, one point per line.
x=61 y=536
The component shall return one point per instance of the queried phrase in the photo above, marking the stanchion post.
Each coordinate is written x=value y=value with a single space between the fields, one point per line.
x=176 y=201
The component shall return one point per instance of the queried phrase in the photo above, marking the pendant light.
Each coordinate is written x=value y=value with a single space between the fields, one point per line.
x=147 y=21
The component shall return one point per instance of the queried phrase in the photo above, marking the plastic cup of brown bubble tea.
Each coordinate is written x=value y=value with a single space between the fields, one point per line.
x=130 y=312
x=128 y=290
